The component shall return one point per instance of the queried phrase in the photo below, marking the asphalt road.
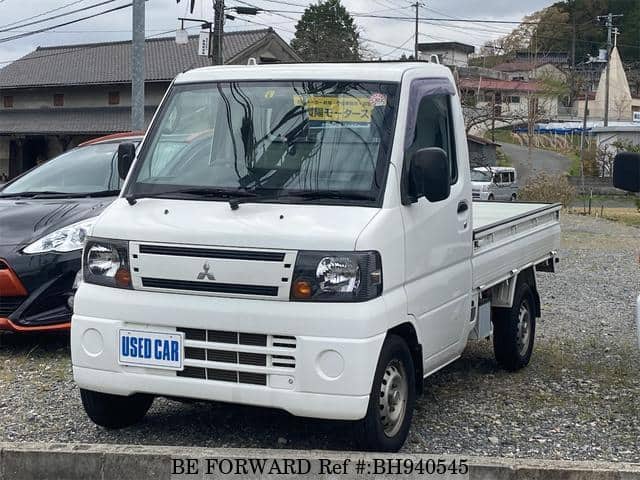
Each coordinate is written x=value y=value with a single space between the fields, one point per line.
x=539 y=160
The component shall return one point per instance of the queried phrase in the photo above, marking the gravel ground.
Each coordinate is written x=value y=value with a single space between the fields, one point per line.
x=577 y=399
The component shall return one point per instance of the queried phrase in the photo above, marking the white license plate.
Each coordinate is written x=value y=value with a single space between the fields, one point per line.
x=150 y=349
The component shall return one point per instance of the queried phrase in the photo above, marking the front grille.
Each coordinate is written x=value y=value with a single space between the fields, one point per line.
x=239 y=358
x=8 y=305
x=212 y=287
x=212 y=253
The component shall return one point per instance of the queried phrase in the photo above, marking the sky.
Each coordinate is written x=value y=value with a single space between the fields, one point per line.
x=386 y=37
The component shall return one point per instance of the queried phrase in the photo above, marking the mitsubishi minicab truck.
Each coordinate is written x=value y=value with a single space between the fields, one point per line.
x=303 y=237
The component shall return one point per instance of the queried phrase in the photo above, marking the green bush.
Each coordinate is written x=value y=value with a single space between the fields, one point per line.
x=547 y=188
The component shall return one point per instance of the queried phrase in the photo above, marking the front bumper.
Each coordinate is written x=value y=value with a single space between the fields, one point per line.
x=335 y=352
x=48 y=281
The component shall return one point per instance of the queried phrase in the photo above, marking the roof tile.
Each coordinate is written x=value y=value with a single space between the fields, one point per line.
x=100 y=63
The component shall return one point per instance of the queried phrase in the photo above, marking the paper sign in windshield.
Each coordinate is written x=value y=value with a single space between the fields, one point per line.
x=337 y=109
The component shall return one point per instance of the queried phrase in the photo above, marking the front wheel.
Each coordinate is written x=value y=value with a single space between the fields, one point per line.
x=491 y=198
x=514 y=330
x=386 y=425
x=115 y=411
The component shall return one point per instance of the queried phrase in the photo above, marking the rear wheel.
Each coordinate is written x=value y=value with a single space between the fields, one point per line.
x=115 y=411
x=514 y=197
x=386 y=425
x=514 y=330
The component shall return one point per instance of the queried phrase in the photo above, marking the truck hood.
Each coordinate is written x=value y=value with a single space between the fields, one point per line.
x=213 y=223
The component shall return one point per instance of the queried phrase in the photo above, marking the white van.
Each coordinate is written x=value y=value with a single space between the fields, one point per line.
x=310 y=245
x=494 y=183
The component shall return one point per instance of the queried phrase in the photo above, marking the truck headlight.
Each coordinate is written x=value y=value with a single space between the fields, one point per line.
x=65 y=239
x=106 y=262
x=336 y=277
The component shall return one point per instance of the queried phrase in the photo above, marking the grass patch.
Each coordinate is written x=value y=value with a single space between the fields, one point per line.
x=628 y=216
x=502 y=135
x=574 y=169
x=503 y=159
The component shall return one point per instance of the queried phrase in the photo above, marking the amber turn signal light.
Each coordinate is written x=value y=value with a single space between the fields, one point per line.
x=123 y=278
x=302 y=289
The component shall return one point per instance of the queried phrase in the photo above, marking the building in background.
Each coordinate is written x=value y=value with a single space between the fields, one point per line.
x=531 y=71
x=451 y=54
x=54 y=98
x=482 y=152
x=620 y=99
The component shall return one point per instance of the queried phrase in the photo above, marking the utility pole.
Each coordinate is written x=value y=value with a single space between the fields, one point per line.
x=417 y=33
x=218 y=31
x=583 y=138
x=573 y=50
x=609 y=24
x=137 y=67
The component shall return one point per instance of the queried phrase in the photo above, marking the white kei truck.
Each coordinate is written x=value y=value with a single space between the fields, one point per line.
x=626 y=176
x=303 y=237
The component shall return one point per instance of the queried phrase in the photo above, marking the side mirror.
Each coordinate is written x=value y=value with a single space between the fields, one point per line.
x=429 y=175
x=626 y=172
x=126 y=154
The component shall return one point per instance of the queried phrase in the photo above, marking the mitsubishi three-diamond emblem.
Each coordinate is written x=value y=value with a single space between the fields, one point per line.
x=205 y=272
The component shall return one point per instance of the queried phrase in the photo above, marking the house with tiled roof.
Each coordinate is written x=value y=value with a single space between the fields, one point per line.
x=57 y=97
x=495 y=102
x=525 y=70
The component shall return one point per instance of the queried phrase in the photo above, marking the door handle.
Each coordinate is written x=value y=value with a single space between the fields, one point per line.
x=463 y=206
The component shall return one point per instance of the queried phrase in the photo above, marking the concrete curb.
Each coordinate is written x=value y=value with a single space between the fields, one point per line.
x=44 y=461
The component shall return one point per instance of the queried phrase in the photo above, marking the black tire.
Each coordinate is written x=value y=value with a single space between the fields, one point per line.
x=385 y=433
x=514 y=197
x=115 y=411
x=512 y=344
x=490 y=198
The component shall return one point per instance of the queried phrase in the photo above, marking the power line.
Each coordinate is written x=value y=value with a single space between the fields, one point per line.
x=46 y=29
x=84 y=47
x=88 y=7
x=43 y=13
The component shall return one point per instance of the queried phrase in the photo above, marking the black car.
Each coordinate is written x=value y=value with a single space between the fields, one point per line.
x=44 y=217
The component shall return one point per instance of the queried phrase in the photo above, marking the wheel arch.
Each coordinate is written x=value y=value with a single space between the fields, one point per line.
x=408 y=333
x=529 y=276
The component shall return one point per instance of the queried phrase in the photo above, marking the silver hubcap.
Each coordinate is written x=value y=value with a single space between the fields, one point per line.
x=524 y=328
x=393 y=397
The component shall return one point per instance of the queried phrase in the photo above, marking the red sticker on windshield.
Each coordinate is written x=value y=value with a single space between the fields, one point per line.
x=378 y=100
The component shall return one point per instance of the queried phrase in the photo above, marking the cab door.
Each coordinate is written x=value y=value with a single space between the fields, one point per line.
x=438 y=235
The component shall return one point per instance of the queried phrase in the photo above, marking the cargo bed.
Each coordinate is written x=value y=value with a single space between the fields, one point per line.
x=509 y=237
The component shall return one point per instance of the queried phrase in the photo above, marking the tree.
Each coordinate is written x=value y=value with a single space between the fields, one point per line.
x=327 y=32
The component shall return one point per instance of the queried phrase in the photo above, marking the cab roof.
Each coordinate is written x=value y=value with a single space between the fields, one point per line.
x=365 y=71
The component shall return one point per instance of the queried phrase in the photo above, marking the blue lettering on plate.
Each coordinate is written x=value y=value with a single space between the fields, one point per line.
x=147 y=348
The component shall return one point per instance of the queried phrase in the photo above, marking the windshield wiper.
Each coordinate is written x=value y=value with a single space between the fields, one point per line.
x=335 y=194
x=311 y=195
x=33 y=194
x=101 y=193
x=201 y=192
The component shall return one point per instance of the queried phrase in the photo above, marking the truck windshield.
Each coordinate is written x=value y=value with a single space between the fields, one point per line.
x=288 y=141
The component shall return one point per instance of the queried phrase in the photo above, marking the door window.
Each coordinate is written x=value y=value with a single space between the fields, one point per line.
x=433 y=128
